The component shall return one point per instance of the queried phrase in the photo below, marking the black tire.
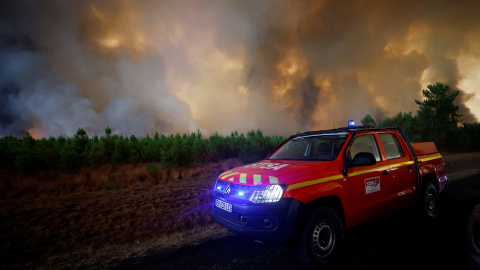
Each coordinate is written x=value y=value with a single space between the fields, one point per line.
x=429 y=201
x=322 y=239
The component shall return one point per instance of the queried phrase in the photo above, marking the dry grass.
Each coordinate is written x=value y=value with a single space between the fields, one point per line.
x=102 y=215
x=42 y=223
x=91 y=179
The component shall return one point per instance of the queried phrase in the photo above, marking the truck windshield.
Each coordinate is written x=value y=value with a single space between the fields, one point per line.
x=324 y=147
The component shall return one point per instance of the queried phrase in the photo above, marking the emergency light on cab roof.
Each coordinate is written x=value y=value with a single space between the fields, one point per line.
x=351 y=123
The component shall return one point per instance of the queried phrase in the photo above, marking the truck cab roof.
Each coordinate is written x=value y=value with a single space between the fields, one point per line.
x=352 y=129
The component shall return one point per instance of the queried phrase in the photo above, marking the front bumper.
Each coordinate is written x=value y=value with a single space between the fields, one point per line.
x=274 y=223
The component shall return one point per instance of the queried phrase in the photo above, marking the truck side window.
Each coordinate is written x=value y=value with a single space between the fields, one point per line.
x=390 y=143
x=364 y=143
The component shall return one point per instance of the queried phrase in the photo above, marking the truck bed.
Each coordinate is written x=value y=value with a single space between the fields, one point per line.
x=424 y=148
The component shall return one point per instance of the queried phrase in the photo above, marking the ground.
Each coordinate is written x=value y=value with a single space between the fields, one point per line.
x=166 y=224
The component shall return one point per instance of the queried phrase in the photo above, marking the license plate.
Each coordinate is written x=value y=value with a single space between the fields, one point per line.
x=223 y=205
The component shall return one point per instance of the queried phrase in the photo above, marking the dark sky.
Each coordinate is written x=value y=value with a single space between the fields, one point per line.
x=178 y=66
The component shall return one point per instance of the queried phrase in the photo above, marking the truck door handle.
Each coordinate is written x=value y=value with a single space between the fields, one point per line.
x=386 y=173
x=410 y=167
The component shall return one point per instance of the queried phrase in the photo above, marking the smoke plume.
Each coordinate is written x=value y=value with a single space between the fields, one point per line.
x=177 y=66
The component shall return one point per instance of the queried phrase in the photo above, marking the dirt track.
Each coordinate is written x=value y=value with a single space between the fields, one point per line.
x=397 y=241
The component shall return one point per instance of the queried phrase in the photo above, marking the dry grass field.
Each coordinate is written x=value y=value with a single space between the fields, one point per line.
x=101 y=215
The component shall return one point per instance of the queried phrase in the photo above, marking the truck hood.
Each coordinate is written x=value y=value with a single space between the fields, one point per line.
x=269 y=172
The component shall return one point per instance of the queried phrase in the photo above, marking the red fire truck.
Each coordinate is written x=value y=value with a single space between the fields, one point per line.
x=317 y=184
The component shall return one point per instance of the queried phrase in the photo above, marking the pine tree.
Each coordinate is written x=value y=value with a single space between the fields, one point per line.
x=438 y=115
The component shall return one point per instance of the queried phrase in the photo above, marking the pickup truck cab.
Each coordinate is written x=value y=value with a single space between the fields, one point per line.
x=317 y=184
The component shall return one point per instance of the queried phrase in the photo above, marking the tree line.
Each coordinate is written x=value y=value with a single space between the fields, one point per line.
x=437 y=120
x=70 y=154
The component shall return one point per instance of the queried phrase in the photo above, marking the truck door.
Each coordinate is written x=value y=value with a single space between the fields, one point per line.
x=402 y=168
x=369 y=184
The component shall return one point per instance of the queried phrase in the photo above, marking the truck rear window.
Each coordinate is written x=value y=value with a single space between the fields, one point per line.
x=325 y=147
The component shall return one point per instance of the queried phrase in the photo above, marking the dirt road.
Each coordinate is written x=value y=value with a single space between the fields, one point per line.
x=397 y=241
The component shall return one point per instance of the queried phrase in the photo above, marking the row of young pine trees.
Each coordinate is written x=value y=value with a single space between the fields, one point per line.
x=27 y=154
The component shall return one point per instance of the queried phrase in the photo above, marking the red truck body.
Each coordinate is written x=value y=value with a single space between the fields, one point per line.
x=356 y=190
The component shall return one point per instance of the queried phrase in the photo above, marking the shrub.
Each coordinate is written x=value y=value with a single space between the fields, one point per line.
x=152 y=169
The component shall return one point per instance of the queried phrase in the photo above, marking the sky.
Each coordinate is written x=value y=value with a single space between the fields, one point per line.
x=280 y=66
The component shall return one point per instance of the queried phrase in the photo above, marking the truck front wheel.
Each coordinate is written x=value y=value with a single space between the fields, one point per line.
x=322 y=239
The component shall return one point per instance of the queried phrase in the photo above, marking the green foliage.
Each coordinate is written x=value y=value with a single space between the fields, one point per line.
x=8 y=151
x=95 y=153
x=437 y=120
x=108 y=145
x=71 y=157
x=256 y=147
x=406 y=121
x=438 y=114
x=28 y=154
x=135 y=150
x=177 y=152
x=70 y=154
x=25 y=160
x=368 y=121
x=121 y=152
x=152 y=168
x=199 y=149
x=467 y=137
x=108 y=131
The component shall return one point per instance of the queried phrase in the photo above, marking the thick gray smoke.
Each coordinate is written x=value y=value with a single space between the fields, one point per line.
x=178 y=66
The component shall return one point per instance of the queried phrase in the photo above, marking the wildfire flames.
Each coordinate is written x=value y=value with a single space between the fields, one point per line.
x=177 y=66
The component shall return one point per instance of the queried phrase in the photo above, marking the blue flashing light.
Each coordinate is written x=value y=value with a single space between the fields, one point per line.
x=240 y=193
x=219 y=187
x=351 y=123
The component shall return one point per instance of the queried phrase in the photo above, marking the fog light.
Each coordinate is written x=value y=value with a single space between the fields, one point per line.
x=267 y=223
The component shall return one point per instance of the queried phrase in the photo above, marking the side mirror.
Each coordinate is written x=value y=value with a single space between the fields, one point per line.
x=362 y=159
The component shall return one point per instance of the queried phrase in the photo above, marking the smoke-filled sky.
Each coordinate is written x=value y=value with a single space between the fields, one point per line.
x=281 y=66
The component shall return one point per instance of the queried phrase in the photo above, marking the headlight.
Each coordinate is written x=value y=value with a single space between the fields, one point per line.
x=268 y=194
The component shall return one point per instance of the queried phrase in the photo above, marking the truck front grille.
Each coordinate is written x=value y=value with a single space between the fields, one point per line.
x=237 y=219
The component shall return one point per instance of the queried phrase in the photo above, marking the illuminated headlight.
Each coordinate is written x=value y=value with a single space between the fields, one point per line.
x=268 y=194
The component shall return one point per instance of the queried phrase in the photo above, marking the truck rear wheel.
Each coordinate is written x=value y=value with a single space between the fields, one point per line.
x=322 y=238
x=430 y=201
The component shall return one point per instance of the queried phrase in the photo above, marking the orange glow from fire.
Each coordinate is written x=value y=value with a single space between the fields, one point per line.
x=291 y=69
x=111 y=31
